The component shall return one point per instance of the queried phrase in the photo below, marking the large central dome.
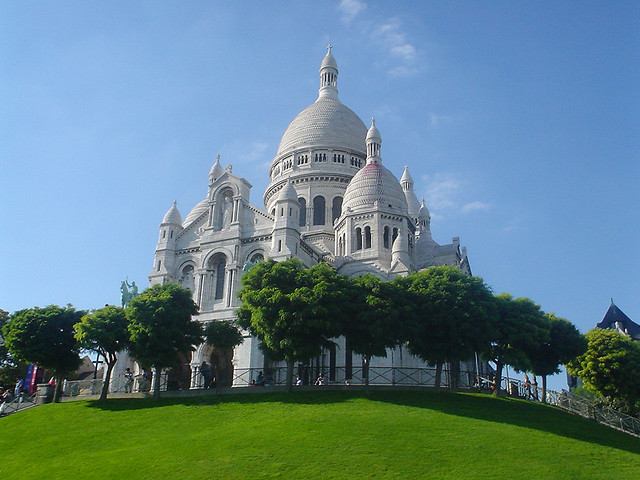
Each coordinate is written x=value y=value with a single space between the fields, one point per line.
x=326 y=122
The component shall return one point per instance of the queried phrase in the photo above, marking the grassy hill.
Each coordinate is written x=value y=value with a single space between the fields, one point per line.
x=313 y=434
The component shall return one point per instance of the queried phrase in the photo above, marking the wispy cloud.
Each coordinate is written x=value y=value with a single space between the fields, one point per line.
x=255 y=151
x=351 y=9
x=475 y=206
x=436 y=120
x=400 y=57
x=394 y=39
x=444 y=194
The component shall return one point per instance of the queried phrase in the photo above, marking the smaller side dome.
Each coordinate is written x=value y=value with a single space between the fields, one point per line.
x=172 y=217
x=288 y=193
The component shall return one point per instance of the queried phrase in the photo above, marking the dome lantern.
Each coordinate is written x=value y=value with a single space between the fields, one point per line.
x=328 y=75
x=374 y=143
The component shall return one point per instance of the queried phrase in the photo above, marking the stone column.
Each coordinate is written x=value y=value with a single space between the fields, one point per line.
x=230 y=279
x=196 y=380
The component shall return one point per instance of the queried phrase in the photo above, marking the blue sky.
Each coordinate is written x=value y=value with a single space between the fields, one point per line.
x=519 y=122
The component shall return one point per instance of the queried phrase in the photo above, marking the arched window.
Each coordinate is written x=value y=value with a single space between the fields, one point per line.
x=318 y=210
x=367 y=237
x=303 y=211
x=395 y=234
x=385 y=237
x=336 y=209
x=256 y=257
x=187 y=278
x=358 y=238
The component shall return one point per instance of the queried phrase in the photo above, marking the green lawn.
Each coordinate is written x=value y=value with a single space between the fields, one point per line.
x=316 y=434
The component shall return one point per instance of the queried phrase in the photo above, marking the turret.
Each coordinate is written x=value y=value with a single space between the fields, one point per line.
x=170 y=227
x=216 y=171
x=423 y=225
x=374 y=143
x=286 y=233
x=400 y=258
x=406 y=181
x=328 y=76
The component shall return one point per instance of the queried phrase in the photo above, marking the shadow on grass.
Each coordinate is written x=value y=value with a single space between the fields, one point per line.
x=477 y=406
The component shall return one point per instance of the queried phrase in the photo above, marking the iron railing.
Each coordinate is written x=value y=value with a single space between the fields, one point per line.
x=21 y=402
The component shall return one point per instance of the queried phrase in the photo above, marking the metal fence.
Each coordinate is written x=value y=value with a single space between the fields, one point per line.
x=572 y=403
x=21 y=402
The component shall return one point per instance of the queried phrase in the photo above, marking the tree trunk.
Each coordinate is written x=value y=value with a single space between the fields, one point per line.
x=438 y=379
x=289 y=375
x=454 y=373
x=544 y=389
x=498 y=379
x=107 y=380
x=57 y=393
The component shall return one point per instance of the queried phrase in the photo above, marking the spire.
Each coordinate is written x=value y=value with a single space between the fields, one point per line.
x=406 y=179
x=173 y=215
x=328 y=75
x=216 y=170
x=374 y=142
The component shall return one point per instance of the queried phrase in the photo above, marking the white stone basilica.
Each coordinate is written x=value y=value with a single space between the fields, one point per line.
x=330 y=198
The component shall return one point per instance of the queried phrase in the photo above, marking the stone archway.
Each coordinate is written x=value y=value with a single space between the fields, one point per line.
x=179 y=376
x=221 y=361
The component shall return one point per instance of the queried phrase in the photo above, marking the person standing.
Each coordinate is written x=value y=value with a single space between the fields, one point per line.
x=128 y=380
x=205 y=371
x=18 y=388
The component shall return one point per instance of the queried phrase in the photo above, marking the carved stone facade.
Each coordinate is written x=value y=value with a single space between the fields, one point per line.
x=329 y=198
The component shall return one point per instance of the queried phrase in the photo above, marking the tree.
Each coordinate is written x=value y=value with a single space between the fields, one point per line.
x=610 y=367
x=294 y=311
x=105 y=332
x=451 y=317
x=161 y=327
x=44 y=336
x=520 y=327
x=373 y=324
x=222 y=336
x=565 y=343
x=10 y=368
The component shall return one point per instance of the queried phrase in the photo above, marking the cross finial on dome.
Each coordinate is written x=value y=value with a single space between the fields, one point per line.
x=329 y=47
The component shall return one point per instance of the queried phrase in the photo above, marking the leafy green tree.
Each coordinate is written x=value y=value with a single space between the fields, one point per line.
x=45 y=336
x=10 y=368
x=104 y=331
x=373 y=324
x=294 y=311
x=161 y=327
x=610 y=367
x=451 y=317
x=222 y=336
x=520 y=327
x=565 y=343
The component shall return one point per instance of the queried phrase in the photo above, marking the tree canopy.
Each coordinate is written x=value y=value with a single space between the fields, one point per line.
x=104 y=331
x=45 y=336
x=520 y=326
x=451 y=317
x=161 y=326
x=564 y=343
x=610 y=367
x=293 y=310
x=375 y=318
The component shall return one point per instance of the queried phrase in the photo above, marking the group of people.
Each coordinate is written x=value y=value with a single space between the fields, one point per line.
x=130 y=377
x=7 y=395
